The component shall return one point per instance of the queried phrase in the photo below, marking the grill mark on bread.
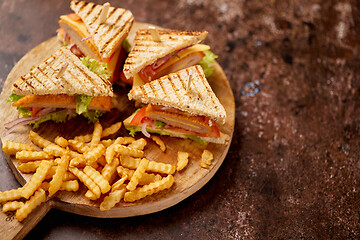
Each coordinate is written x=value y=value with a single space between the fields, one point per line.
x=174 y=88
x=87 y=11
x=112 y=11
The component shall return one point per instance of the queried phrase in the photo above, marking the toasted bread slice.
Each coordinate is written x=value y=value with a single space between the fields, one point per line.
x=109 y=35
x=146 y=51
x=76 y=79
x=170 y=91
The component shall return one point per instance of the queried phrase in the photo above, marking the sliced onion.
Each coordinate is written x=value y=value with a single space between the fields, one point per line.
x=86 y=38
x=144 y=131
x=20 y=122
x=45 y=111
x=16 y=122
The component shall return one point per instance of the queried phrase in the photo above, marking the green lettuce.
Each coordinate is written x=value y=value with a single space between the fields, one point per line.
x=196 y=139
x=98 y=68
x=24 y=111
x=126 y=45
x=57 y=117
x=82 y=103
x=159 y=124
x=93 y=115
x=207 y=63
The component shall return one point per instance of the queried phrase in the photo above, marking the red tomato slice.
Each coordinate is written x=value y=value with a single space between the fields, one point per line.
x=139 y=116
x=74 y=16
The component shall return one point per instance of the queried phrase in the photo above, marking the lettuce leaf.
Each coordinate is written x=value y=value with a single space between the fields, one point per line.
x=196 y=139
x=159 y=124
x=207 y=63
x=82 y=103
x=126 y=45
x=92 y=115
x=57 y=117
x=96 y=67
x=24 y=111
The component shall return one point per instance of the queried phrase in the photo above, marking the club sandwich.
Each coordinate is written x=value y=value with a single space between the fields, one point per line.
x=180 y=104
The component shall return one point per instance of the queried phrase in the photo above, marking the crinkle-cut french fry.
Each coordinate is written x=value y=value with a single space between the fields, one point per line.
x=36 y=179
x=124 y=140
x=29 y=167
x=123 y=171
x=150 y=189
x=109 y=169
x=11 y=148
x=111 y=130
x=124 y=150
x=57 y=179
x=88 y=182
x=96 y=136
x=78 y=162
x=110 y=153
x=98 y=179
x=112 y=199
x=11 y=195
x=38 y=198
x=206 y=159
x=38 y=140
x=101 y=160
x=107 y=142
x=182 y=160
x=27 y=156
x=118 y=183
x=79 y=146
x=58 y=151
x=51 y=172
x=161 y=167
x=159 y=142
x=12 y=206
x=70 y=186
x=138 y=144
x=84 y=138
x=69 y=176
x=140 y=170
x=149 y=178
x=62 y=142
x=130 y=162
x=94 y=153
x=90 y=195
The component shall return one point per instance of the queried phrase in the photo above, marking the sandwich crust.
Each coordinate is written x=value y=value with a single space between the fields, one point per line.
x=146 y=51
x=170 y=91
x=76 y=79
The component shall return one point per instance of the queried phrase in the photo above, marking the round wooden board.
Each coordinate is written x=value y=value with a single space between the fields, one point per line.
x=187 y=182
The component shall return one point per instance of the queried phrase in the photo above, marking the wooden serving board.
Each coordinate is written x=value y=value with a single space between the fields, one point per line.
x=187 y=182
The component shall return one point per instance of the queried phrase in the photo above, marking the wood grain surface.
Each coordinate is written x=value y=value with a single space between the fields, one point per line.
x=187 y=181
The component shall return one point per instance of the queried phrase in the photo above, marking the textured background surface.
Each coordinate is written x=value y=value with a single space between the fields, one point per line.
x=293 y=168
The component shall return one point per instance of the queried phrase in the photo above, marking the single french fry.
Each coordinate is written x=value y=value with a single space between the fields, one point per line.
x=124 y=150
x=88 y=182
x=110 y=153
x=38 y=140
x=90 y=195
x=129 y=162
x=11 y=195
x=58 y=151
x=149 y=178
x=118 y=183
x=69 y=176
x=29 y=167
x=36 y=179
x=98 y=179
x=206 y=159
x=112 y=199
x=84 y=138
x=138 y=144
x=111 y=130
x=107 y=142
x=79 y=146
x=159 y=142
x=140 y=170
x=27 y=156
x=78 y=162
x=94 y=153
x=62 y=142
x=96 y=136
x=11 y=148
x=155 y=187
x=124 y=140
x=12 y=206
x=161 y=167
x=70 y=186
x=182 y=160
x=109 y=169
x=38 y=198
x=57 y=180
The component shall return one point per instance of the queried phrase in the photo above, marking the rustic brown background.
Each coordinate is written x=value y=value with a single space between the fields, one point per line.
x=293 y=167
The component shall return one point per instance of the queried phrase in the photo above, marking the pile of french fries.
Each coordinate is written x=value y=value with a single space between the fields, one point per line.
x=111 y=169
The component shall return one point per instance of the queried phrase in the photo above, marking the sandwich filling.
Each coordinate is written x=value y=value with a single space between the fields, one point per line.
x=173 y=62
x=159 y=118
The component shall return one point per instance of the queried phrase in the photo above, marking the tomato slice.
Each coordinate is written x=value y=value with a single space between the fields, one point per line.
x=137 y=119
x=74 y=16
